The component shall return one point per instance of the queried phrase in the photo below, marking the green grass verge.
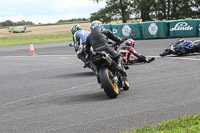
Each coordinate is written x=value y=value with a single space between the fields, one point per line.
x=43 y=38
x=187 y=124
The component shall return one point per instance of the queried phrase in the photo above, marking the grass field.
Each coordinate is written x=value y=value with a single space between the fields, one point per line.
x=37 y=38
x=39 y=34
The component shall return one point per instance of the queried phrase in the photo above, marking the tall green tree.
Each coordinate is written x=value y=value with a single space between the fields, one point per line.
x=185 y=9
x=104 y=15
x=125 y=8
x=168 y=9
x=121 y=9
x=144 y=8
x=149 y=9
x=196 y=8
x=173 y=9
x=161 y=9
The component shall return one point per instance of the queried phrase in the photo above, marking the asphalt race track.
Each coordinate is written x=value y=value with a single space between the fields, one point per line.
x=52 y=92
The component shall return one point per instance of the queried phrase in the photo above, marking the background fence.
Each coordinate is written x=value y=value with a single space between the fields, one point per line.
x=156 y=29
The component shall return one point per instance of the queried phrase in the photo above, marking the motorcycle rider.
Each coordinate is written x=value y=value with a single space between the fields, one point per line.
x=131 y=55
x=79 y=40
x=98 y=40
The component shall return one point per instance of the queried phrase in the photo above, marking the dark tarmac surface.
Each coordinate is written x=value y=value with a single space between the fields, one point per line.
x=52 y=92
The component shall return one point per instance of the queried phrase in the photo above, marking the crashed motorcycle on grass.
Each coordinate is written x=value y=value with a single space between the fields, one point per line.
x=182 y=47
x=104 y=67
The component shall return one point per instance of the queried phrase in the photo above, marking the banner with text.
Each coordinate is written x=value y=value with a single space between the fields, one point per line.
x=183 y=28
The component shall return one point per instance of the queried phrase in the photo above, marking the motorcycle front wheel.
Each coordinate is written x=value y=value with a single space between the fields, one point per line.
x=108 y=83
x=126 y=85
x=164 y=53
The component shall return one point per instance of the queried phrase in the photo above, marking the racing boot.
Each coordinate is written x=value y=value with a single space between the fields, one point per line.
x=126 y=67
x=86 y=65
x=85 y=60
x=119 y=66
x=150 y=60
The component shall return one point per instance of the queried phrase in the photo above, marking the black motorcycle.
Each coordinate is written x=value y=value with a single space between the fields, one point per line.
x=108 y=76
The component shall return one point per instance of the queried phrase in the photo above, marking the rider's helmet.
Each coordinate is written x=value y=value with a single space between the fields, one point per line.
x=130 y=42
x=96 y=24
x=75 y=28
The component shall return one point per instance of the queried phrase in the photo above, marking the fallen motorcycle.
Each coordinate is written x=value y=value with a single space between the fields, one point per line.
x=108 y=76
x=182 y=47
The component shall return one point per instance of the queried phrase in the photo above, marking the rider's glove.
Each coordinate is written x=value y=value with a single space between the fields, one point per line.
x=121 y=40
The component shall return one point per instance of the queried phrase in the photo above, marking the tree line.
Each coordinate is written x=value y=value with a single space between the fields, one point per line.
x=73 y=20
x=20 y=23
x=10 y=23
x=147 y=10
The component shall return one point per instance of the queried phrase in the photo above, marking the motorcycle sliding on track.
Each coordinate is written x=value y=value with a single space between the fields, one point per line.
x=182 y=47
x=108 y=76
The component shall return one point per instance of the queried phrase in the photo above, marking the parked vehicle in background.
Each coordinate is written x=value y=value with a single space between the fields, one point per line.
x=17 y=29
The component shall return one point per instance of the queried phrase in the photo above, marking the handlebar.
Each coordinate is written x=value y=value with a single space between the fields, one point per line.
x=116 y=45
x=180 y=41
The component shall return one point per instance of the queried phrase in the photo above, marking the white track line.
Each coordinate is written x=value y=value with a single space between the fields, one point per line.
x=37 y=56
x=182 y=58
x=47 y=94
x=176 y=58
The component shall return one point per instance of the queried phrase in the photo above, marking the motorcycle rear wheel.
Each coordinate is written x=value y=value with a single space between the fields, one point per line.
x=108 y=83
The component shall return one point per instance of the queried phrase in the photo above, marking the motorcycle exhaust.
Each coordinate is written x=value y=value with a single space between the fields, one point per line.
x=107 y=58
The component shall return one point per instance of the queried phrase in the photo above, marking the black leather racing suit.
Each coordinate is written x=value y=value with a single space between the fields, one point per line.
x=98 y=40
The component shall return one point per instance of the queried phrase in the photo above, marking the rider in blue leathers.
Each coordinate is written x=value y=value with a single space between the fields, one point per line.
x=79 y=40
